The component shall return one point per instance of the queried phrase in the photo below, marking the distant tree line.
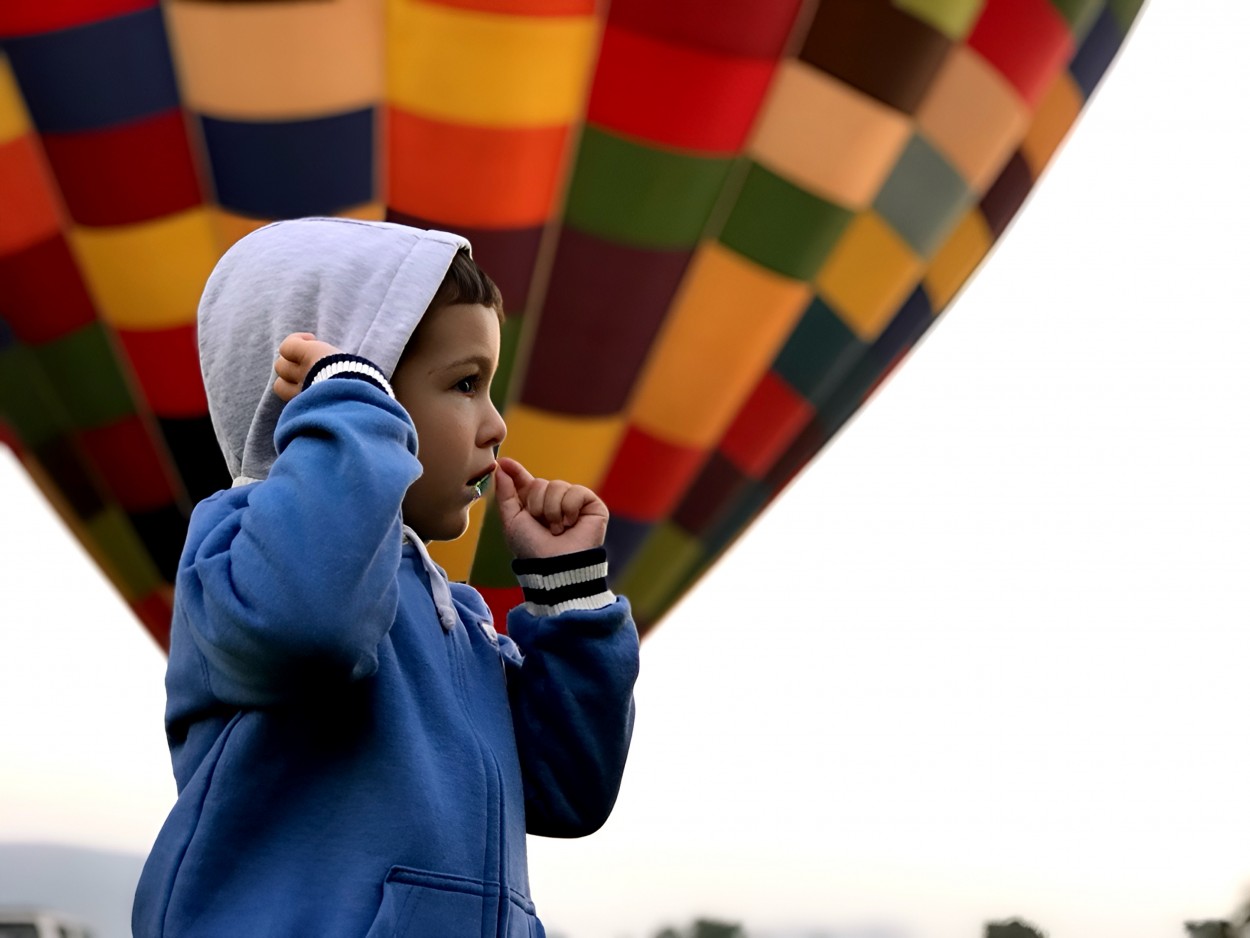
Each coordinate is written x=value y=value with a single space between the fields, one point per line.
x=704 y=928
x=1012 y=928
x=1238 y=927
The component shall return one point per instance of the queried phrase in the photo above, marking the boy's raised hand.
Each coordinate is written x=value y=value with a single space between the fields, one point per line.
x=544 y=518
x=298 y=352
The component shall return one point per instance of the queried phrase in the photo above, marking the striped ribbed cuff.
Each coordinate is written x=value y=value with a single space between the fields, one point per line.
x=343 y=365
x=571 y=581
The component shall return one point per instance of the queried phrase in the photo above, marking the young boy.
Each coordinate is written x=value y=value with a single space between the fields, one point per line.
x=357 y=751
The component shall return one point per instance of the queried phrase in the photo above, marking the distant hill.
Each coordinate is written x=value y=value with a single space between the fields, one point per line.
x=96 y=886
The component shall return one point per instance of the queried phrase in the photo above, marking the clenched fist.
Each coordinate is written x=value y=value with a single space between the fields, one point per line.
x=544 y=518
x=296 y=355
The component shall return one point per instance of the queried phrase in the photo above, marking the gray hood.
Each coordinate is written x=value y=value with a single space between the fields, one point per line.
x=361 y=286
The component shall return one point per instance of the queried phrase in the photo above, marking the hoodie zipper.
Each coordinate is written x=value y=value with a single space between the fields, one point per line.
x=490 y=765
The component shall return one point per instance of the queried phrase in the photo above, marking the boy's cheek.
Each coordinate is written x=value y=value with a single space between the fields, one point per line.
x=437 y=516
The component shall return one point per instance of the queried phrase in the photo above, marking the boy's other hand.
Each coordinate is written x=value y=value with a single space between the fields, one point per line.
x=298 y=352
x=544 y=518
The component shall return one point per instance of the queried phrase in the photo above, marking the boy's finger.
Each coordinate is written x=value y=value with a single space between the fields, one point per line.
x=287 y=347
x=285 y=389
x=572 y=503
x=286 y=369
x=534 y=494
x=519 y=474
x=552 y=511
x=295 y=346
x=505 y=488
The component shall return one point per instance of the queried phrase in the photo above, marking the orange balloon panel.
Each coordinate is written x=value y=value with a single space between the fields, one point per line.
x=268 y=61
x=828 y=136
x=31 y=212
x=469 y=175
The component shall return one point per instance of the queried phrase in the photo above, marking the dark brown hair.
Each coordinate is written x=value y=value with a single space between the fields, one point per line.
x=466 y=282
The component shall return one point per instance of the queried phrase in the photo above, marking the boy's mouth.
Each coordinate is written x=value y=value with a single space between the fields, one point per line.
x=479 y=483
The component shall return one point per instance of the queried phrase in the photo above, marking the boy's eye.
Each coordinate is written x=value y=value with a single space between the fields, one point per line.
x=468 y=384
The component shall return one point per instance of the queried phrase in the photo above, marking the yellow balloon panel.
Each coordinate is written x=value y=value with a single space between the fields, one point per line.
x=13 y=119
x=243 y=60
x=491 y=69
x=370 y=211
x=229 y=227
x=955 y=261
x=974 y=117
x=148 y=276
x=576 y=449
x=869 y=274
x=721 y=335
x=825 y=136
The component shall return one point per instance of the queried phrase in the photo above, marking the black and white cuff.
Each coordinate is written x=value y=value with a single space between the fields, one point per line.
x=343 y=365
x=571 y=581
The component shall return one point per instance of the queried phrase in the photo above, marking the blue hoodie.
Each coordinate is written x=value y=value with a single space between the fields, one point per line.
x=357 y=752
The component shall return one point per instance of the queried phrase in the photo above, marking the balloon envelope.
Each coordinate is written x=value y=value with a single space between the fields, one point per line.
x=717 y=224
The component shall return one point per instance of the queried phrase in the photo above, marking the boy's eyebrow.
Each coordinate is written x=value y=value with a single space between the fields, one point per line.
x=482 y=361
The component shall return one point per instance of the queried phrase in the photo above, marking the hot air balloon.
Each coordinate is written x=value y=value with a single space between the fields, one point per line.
x=717 y=224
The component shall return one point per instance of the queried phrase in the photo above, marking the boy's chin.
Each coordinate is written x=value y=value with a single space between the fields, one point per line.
x=442 y=530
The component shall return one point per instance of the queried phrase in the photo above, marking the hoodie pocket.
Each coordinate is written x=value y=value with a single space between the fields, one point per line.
x=417 y=904
x=522 y=922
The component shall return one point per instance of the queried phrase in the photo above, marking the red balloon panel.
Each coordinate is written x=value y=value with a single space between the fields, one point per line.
x=162 y=359
x=42 y=293
x=129 y=463
x=745 y=28
x=23 y=19
x=768 y=421
x=649 y=475
x=1026 y=40
x=130 y=173
x=676 y=96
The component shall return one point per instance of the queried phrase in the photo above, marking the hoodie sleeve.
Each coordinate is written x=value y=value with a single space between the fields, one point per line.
x=573 y=710
x=290 y=582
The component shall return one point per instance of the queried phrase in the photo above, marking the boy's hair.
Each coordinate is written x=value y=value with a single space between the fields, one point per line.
x=466 y=282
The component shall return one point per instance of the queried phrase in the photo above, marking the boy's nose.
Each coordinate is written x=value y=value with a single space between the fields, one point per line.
x=495 y=429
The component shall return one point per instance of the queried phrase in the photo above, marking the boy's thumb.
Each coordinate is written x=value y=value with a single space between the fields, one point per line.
x=519 y=473
x=505 y=488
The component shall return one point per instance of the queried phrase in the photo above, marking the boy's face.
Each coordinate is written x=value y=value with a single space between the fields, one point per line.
x=444 y=384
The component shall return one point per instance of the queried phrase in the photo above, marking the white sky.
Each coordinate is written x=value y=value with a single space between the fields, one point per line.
x=987 y=657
